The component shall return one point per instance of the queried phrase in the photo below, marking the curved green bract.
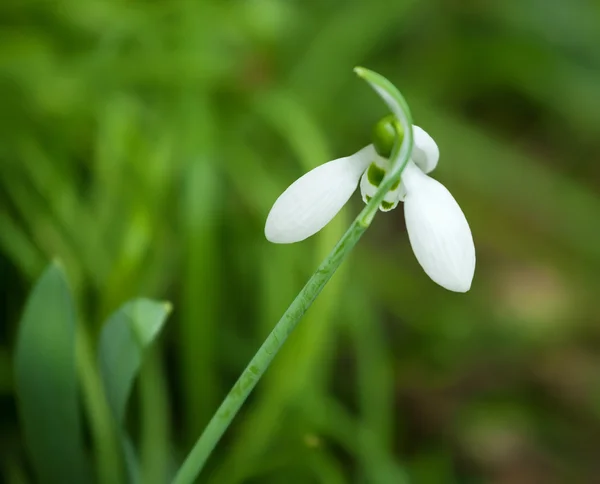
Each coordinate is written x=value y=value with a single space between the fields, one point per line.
x=403 y=146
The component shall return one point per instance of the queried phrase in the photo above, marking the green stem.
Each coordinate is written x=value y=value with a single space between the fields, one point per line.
x=108 y=462
x=154 y=439
x=263 y=357
x=222 y=418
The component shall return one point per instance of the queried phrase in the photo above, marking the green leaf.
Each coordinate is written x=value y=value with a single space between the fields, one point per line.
x=46 y=381
x=123 y=340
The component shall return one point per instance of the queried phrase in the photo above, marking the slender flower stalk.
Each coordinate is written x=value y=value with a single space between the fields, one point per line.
x=221 y=420
x=305 y=220
x=265 y=354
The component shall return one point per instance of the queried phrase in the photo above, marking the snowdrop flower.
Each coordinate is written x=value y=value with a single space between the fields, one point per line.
x=437 y=228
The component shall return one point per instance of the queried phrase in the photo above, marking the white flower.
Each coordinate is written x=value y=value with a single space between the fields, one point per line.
x=438 y=231
x=437 y=228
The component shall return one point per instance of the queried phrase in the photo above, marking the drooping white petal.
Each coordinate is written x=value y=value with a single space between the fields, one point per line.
x=314 y=199
x=438 y=230
x=425 y=151
x=425 y=155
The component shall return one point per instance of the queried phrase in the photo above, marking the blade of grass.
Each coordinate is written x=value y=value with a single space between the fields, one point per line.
x=155 y=453
x=334 y=421
x=375 y=387
x=102 y=425
x=199 y=219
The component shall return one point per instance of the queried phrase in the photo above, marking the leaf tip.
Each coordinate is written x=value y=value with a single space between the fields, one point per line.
x=360 y=71
x=57 y=263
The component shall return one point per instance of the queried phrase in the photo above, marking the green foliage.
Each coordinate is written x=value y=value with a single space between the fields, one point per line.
x=46 y=381
x=47 y=387
x=123 y=343
x=123 y=340
x=143 y=143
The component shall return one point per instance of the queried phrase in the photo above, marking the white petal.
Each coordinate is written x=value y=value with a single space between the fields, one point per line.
x=315 y=198
x=425 y=151
x=425 y=154
x=367 y=189
x=438 y=230
x=393 y=197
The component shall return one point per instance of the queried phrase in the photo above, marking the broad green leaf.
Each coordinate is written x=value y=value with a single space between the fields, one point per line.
x=46 y=381
x=123 y=340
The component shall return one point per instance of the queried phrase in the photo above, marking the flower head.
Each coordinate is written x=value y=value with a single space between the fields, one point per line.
x=437 y=228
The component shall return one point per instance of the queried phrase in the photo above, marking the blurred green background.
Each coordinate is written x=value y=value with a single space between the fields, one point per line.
x=143 y=143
